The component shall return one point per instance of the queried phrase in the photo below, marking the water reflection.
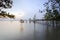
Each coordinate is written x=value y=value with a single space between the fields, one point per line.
x=34 y=32
x=54 y=32
x=21 y=27
x=27 y=31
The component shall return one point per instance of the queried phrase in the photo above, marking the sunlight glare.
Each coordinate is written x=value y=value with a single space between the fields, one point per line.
x=20 y=14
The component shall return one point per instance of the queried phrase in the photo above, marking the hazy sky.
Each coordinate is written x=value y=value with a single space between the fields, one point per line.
x=27 y=8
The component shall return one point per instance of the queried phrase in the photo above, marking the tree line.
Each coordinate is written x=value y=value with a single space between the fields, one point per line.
x=5 y=4
x=4 y=14
x=52 y=10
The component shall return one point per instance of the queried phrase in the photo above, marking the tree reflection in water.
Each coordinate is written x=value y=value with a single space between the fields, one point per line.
x=54 y=33
x=34 y=30
x=21 y=27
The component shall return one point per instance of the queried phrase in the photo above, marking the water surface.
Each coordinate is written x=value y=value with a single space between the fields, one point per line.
x=14 y=30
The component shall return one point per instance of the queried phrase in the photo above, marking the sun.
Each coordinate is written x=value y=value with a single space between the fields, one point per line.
x=19 y=15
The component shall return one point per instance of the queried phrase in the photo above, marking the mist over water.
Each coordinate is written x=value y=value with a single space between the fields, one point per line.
x=14 y=30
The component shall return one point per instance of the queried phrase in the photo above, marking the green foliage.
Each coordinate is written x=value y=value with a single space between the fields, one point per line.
x=53 y=12
x=6 y=3
x=4 y=14
x=11 y=16
x=48 y=16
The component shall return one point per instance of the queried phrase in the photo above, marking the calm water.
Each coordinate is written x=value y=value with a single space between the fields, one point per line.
x=14 y=30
